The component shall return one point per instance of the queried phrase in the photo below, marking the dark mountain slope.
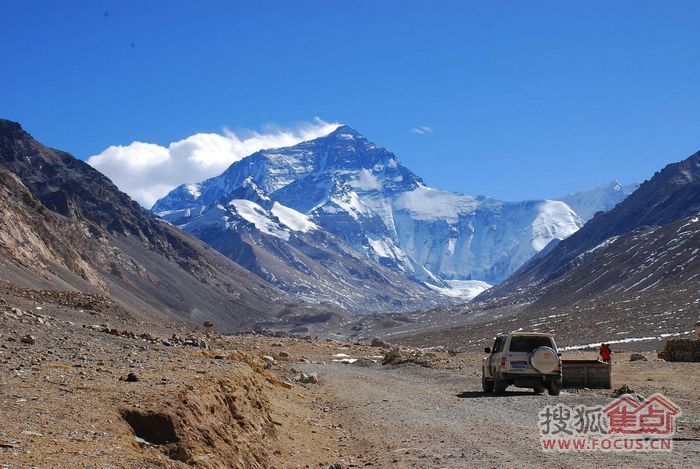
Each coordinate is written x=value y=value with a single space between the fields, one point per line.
x=625 y=241
x=64 y=225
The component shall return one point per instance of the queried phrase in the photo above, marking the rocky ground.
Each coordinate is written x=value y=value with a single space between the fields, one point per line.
x=83 y=388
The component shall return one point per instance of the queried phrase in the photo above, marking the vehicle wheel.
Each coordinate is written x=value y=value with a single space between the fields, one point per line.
x=538 y=389
x=486 y=384
x=499 y=386
x=554 y=388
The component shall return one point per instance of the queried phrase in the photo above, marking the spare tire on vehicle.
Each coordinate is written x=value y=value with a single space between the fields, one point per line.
x=544 y=359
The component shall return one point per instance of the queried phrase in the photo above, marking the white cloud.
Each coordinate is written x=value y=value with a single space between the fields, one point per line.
x=423 y=129
x=147 y=171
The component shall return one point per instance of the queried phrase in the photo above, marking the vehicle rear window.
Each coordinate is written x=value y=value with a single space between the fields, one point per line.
x=525 y=343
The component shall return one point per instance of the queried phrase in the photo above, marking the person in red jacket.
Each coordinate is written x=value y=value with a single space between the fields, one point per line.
x=605 y=353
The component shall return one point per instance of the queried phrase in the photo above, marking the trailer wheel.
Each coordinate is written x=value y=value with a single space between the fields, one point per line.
x=554 y=387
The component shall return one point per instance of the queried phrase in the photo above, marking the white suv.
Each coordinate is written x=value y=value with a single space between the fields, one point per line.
x=524 y=360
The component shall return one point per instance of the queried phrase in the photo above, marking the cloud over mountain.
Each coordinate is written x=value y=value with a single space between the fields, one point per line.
x=148 y=171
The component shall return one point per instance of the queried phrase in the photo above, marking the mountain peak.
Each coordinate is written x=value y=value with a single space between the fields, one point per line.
x=345 y=132
x=13 y=129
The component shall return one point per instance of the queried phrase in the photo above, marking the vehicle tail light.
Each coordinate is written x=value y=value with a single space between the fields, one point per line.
x=558 y=368
x=503 y=362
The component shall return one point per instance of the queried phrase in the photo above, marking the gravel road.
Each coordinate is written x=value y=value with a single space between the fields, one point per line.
x=410 y=416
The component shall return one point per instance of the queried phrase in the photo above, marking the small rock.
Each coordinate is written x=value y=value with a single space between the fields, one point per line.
x=28 y=339
x=131 y=378
x=637 y=357
x=622 y=390
x=377 y=342
x=269 y=361
x=284 y=354
x=392 y=356
x=311 y=378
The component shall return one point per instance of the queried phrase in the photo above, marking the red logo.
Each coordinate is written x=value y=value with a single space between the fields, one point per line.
x=655 y=416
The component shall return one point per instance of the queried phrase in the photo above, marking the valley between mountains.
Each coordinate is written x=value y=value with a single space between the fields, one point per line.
x=321 y=304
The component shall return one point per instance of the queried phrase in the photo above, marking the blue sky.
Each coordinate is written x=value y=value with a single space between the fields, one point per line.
x=525 y=99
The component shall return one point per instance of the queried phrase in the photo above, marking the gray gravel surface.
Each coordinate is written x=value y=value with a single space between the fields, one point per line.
x=410 y=416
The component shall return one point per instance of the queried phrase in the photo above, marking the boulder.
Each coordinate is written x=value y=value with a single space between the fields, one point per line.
x=311 y=378
x=377 y=342
x=269 y=361
x=392 y=356
x=635 y=357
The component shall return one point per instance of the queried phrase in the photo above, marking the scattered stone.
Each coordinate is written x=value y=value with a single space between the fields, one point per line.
x=269 y=361
x=28 y=339
x=311 y=378
x=624 y=389
x=284 y=354
x=392 y=356
x=131 y=378
x=637 y=357
x=377 y=342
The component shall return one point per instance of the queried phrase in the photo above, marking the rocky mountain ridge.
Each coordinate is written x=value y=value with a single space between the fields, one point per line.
x=65 y=226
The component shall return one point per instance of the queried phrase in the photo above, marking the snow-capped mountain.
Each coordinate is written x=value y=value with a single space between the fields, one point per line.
x=291 y=251
x=599 y=199
x=360 y=192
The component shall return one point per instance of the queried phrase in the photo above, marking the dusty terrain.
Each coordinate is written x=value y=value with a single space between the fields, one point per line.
x=68 y=400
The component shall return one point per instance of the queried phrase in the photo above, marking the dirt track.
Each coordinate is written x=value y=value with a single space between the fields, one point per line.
x=410 y=416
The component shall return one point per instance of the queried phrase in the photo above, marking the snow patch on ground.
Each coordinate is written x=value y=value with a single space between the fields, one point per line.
x=625 y=341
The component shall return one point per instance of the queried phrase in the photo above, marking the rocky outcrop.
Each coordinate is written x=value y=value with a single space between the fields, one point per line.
x=681 y=350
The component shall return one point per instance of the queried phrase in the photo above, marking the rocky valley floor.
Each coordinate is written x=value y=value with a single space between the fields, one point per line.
x=81 y=389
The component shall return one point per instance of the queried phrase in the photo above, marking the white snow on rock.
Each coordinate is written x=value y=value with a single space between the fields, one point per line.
x=365 y=181
x=258 y=216
x=463 y=289
x=555 y=220
x=294 y=220
x=599 y=199
x=426 y=203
